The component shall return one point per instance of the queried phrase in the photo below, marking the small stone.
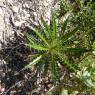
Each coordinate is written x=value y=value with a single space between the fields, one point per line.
x=10 y=1
x=35 y=14
x=19 y=23
x=27 y=15
x=1 y=11
x=26 y=5
x=15 y=9
x=2 y=89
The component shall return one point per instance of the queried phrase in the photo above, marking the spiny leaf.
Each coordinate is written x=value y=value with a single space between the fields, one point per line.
x=46 y=67
x=63 y=26
x=76 y=50
x=35 y=61
x=54 y=27
x=46 y=28
x=61 y=56
x=54 y=71
x=37 y=46
x=69 y=34
x=40 y=36
x=30 y=38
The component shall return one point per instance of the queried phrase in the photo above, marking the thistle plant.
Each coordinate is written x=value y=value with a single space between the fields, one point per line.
x=69 y=42
x=49 y=43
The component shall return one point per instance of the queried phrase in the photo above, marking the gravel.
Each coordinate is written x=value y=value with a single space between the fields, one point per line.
x=17 y=13
x=14 y=14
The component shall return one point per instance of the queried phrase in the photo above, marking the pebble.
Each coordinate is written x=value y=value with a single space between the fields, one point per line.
x=15 y=9
x=1 y=11
x=19 y=23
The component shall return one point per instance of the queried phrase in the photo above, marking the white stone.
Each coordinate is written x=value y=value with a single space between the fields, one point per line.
x=19 y=23
x=26 y=5
x=1 y=11
x=2 y=89
x=25 y=12
x=10 y=1
x=27 y=15
x=2 y=24
x=35 y=14
x=15 y=9
x=45 y=3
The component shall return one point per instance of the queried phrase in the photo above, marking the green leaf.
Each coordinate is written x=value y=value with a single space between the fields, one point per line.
x=76 y=50
x=36 y=46
x=46 y=28
x=65 y=61
x=54 y=71
x=54 y=26
x=35 y=61
x=30 y=38
x=40 y=36
x=46 y=66
x=69 y=34
x=63 y=26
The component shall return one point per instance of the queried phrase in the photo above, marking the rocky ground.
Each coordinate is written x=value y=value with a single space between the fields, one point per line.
x=15 y=15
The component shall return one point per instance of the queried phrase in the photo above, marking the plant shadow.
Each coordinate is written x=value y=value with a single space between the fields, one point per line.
x=13 y=57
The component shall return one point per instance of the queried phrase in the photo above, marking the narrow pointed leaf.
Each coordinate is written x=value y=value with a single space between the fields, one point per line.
x=31 y=38
x=54 y=27
x=35 y=61
x=70 y=34
x=63 y=26
x=40 y=36
x=66 y=62
x=46 y=66
x=46 y=28
x=76 y=50
x=36 y=47
x=54 y=71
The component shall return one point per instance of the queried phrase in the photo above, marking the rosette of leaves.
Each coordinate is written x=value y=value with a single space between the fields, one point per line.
x=49 y=43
